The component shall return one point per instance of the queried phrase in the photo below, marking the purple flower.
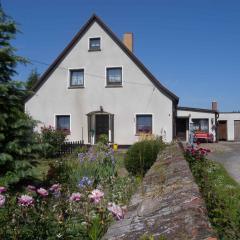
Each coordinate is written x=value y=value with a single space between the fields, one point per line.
x=42 y=192
x=81 y=157
x=31 y=188
x=117 y=211
x=96 y=195
x=25 y=201
x=2 y=200
x=75 y=197
x=85 y=182
x=2 y=189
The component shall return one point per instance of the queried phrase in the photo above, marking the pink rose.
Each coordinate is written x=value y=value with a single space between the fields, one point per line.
x=75 y=197
x=2 y=200
x=96 y=195
x=31 y=188
x=117 y=211
x=42 y=192
x=2 y=189
x=55 y=188
x=25 y=201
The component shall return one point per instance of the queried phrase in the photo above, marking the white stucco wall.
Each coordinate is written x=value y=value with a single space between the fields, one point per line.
x=230 y=118
x=138 y=94
x=200 y=115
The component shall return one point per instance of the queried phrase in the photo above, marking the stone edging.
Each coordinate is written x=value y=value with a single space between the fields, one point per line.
x=168 y=204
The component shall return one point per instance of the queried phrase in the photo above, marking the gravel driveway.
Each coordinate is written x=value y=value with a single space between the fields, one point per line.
x=227 y=153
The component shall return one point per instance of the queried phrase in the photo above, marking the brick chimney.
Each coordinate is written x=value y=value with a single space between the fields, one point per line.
x=128 y=40
x=214 y=106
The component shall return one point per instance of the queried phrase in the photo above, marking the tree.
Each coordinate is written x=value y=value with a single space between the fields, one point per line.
x=18 y=142
x=32 y=79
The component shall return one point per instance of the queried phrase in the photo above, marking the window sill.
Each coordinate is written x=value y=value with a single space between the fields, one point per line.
x=114 y=86
x=75 y=87
x=143 y=134
x=94 y=50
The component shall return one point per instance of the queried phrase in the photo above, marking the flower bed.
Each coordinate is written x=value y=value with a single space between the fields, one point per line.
x=84 y=195
x=220 y=191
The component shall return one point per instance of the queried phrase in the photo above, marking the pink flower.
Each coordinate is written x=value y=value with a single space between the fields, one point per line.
x=96 y=195
x=25 y=201
x=2 y=200
x=55 y=188
x=43 y=192
x=117 y=211
x=31 y=188
x=75 y=197
x=2 y=189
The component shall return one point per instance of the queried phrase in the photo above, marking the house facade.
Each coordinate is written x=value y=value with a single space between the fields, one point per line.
x=98 y=86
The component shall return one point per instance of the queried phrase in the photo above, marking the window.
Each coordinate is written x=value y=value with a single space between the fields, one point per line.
x=94 y=44
x=114 y=76
x=201 y=125
x=144 y=124
x=63 y=122
x=77 y=78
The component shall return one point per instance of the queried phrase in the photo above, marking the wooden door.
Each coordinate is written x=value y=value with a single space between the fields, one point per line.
x=237 y=130
x=222 y=130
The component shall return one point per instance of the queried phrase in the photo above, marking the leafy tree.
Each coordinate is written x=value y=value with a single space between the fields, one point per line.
x=32 y=79
x=18 y=142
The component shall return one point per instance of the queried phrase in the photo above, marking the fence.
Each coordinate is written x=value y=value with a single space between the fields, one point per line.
x=68 y=147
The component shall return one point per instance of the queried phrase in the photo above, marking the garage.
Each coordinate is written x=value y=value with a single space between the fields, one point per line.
x=222 y=130
x=237 y=130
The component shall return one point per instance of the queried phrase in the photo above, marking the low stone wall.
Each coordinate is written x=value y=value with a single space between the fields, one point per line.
x=167 y=204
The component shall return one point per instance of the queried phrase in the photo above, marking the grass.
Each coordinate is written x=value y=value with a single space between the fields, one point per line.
x=222 y=197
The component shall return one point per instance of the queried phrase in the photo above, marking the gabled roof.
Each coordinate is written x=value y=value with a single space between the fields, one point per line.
x=78 y=36
x=197 y=109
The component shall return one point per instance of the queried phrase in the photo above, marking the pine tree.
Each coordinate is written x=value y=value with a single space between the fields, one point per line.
x=18 y=142
x=32 y=79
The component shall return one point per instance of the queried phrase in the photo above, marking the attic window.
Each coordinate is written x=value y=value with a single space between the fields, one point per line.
x=94 y=44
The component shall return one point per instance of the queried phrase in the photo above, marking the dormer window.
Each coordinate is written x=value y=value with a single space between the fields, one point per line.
x=94 y=44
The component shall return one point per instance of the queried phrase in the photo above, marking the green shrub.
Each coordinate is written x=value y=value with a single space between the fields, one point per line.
x=52 y=140
x=103 y=138
x=141 y=155
x=220 y=192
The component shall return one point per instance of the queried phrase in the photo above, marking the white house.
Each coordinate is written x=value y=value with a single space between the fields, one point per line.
x=98 y=86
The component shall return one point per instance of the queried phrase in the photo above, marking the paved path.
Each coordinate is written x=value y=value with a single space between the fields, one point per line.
x=227 y=153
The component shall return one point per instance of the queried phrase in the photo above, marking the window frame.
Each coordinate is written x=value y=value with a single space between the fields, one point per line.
x=56 y=121
x=198 y=122
x=116 y=84
x=89 y=44
x=143 y=114
x=70 y=77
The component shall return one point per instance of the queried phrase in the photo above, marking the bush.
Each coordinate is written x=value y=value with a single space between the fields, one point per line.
x=52 y=140
x=141 y=155
x=220 y=192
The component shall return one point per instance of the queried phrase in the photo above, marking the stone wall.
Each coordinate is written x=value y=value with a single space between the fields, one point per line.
x=167 y=204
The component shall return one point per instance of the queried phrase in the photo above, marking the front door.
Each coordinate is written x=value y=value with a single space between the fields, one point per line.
x=102 y=125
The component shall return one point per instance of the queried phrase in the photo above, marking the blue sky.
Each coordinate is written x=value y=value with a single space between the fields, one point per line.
x=192 y=47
